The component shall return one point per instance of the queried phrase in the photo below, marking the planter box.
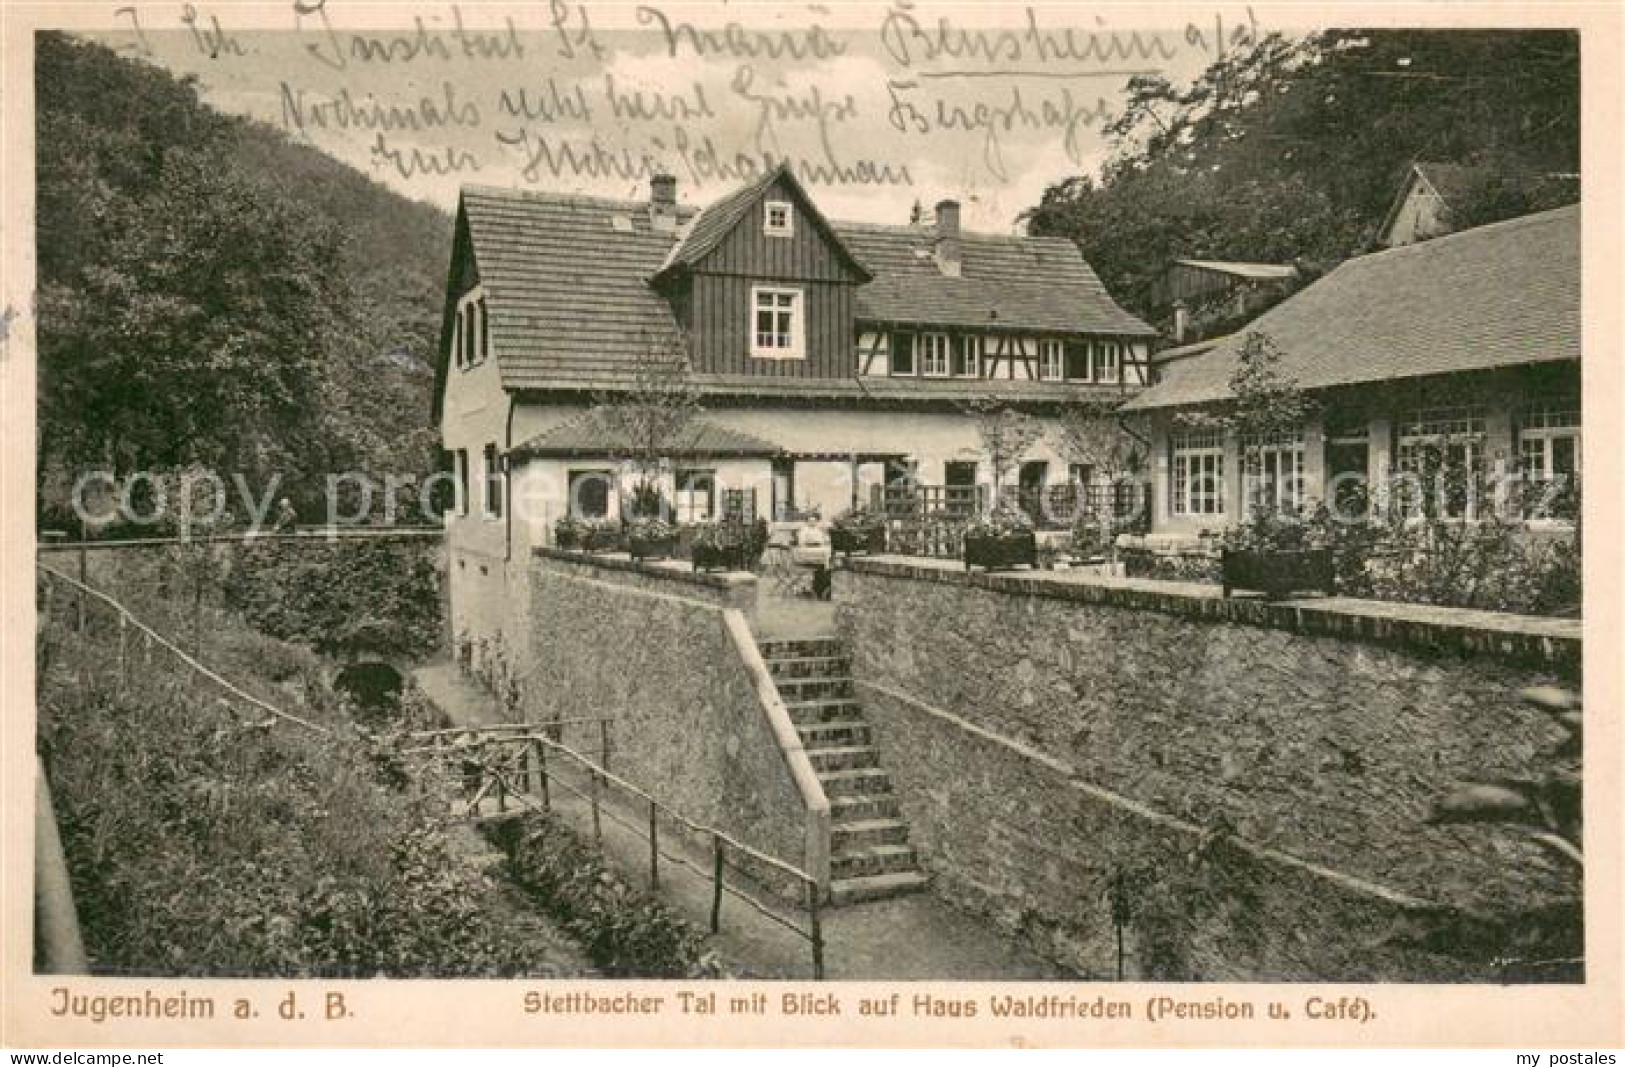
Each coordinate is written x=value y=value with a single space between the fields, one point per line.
x=602 y=541
x=727 y=557
x=997 y=553
x=570 y=540
x=1279 y=573
x=871 y=541
x=652 y=547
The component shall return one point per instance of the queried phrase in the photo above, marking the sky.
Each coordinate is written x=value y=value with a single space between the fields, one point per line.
x=878 y=107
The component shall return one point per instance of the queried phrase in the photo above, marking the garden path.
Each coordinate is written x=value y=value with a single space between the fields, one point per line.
x=913 y=937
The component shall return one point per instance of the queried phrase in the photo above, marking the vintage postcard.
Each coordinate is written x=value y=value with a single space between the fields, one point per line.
x=888 y=523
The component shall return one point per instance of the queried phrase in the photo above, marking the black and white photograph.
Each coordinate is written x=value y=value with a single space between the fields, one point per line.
x=1076 y=509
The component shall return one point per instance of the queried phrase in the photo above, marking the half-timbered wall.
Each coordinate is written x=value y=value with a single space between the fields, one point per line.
x=1004 y=357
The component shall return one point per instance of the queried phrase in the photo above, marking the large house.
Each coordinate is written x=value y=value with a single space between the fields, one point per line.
x=831 y=357
x=1472 y=339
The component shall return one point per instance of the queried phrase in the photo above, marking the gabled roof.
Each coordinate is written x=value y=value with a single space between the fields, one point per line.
x=716 y=221
x=565 y=284
x=590 y=435
x=1005 y=282
x=1499 y=295
x=570 y=305
x=1248 y=271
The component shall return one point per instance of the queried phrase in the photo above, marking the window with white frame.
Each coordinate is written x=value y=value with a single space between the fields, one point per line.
x=902 y=354
x=777 y=219
x=1197 y=467
x=493 y=482
x=776 y=324
x=1109 y=361
x=459 y=466
x=1051 y=361
x=1444 y=448
x=968 y=357
x=1274 y=475
x=471 y=332
x=1549 y=456
x=934 y=355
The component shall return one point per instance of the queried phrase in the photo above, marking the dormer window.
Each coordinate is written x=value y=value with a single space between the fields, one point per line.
x=777 y=220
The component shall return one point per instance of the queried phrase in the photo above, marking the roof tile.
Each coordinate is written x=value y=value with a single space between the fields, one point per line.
x=1499 y=295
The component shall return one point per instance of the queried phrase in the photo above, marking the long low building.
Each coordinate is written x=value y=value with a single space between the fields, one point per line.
x=1471 y=339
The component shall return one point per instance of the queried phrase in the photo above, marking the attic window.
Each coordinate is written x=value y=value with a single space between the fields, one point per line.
x=777 y=221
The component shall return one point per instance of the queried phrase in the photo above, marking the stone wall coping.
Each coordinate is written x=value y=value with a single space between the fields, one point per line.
x=667 y=570
x=1526 y=640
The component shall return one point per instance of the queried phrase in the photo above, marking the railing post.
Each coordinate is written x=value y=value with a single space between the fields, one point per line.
x=815 y=919
x=122 y=635
x=716 y=882
x=654 y=845
x=84 y=580
x=603 y=743
x=541 y=769
x=597 y=826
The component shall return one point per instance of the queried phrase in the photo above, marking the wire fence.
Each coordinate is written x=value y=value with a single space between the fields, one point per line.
x=520 y=766
x=507 y=767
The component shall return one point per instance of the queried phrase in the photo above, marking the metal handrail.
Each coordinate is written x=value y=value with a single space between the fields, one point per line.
x=479 y=737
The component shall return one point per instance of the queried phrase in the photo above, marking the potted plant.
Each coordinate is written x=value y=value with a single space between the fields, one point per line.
x=725 y=546
x=1274 y=554
x=569 y=531
x=601 y=535
x=650 y=538
x=858 y=530
x=1001 y=538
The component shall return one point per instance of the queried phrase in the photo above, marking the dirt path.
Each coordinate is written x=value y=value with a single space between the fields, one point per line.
x=913 y=937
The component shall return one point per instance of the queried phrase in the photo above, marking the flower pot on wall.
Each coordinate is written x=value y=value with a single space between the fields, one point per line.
x=870 y=541
x=651 y=547
x=1001 y=551
x=1277 y=572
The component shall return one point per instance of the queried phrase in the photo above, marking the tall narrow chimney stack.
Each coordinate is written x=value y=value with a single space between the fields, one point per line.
x=663 y=201
x=948 y=258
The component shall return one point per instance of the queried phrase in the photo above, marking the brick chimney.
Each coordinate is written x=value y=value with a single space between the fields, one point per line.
x=948 y=260
x=663 y=201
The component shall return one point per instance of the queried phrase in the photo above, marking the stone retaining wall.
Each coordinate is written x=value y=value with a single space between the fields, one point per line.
x=1048 y=731
x=654 y=650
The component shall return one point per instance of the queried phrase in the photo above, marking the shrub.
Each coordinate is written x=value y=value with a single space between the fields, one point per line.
x=625 y=931
x=204 y=838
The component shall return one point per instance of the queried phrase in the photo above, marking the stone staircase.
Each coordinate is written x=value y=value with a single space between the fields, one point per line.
x=870 y=857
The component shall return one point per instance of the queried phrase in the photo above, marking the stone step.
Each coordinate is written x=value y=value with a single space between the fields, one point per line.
x=802 y=689
x=843 y=758
x=818 y=735
x=805 y=646
x=863 y=834
x=875 y=887
x=833 y=709
x=810 y=667
x=862 y=781
x=873 y=860
x=859 y=807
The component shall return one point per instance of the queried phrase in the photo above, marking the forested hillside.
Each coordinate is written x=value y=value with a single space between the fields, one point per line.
x=1294 y=149
x=211 y=292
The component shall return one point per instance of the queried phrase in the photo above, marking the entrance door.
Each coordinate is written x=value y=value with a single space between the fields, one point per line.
x=1032 y=487
x=1348 y=459
x=784 y=489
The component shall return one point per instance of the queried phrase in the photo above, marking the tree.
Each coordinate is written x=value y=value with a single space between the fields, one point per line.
x=1007 y=435
x=1267 y=406
x=1094 y=434
x=655 y=411
x=1294 y=149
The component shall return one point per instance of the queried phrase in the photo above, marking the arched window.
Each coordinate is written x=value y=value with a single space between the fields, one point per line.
x=485 y=329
